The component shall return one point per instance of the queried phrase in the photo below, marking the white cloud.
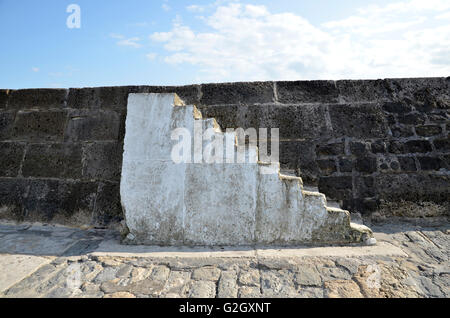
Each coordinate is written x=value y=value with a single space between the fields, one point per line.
x=35 y=69
x=247 y=42
x=165 y=6
x=131 y=42
x=195 y=8
x=151 y=56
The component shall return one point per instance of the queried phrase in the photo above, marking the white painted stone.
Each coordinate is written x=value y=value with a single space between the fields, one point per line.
x=202 y=203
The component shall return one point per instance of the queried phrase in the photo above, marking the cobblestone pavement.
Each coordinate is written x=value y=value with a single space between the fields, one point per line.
x=48 y=261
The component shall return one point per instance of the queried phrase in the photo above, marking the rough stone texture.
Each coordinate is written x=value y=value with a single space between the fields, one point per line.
x=403 y=123
x=169 y=203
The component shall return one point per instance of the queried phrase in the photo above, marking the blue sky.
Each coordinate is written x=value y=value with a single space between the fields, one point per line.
x=168 y=42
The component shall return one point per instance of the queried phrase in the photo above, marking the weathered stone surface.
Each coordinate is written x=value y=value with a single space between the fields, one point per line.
x=428 y=130
x=202 y=289
x=338 y=187
x=4 y=95
x=431 y=163
x=250 y=277
x=414 y=146
x=59 y=160
x=38 y=126
x=227 y=286
x=60 y=200
x=206 y=273
x=92 y=125
x=102 y=160
x=116 y=97
x=342 y=289
x=307 y=92
x=346 y=120
x=237 y=93
x=333 y=149
x=363 y=90
x=108 y=208
x=37 y=98
x=442 y=144
x=11 y=154
x=407 y=163
x=6 y=124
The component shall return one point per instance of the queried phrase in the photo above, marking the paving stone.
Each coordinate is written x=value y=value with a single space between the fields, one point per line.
x=310 y=292
x=202 y=289
x=120 y=295
x=177 y=284
x=107 y=274
x=227 y=287
x=206 y=273
x=342 y=289
x=308 y=276
x=249 y=292
x=250 y=278
x=277 y=284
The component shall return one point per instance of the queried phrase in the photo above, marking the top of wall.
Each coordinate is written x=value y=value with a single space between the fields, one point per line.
x=422 y=90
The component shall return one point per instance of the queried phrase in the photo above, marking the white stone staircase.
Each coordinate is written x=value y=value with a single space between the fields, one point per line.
x=200 y=204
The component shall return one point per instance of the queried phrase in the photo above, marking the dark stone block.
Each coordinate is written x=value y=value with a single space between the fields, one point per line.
x=424 y=93
x=117 y=97
x=396 y=147
x=53 y=161
x=431 y=163
x=39 y=125
x=92 y=125
x=50 y=199
x=293 y=122
x=413 y=187
x=391 y=120
x=407 y=163
x=37 y=98
x=428 y=130
x=108 y=208
x=402 y=131
x=395 y=165
x=364 y=187
x=11 y=155
x=237 y=93
x=336 y=188
x=442 y=144
x=365 y=206
x=100 y=97
x=103 y=160
x=6 y=124
x=307 y=92
x=412 y=119
x=363 y=90
x=227 y=116
x=300 y=155
x=359 y=121
x=4 y=95
x=366 y=164
x=359 y=148
x=327 y=166
x=439 y=117
x=397 y=107
x=330 y=149
x=12 y=193
x=345 y=165
x=421 y=146
x=378 y=146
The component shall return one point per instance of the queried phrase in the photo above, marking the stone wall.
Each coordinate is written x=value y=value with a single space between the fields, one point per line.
x=361 y=142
